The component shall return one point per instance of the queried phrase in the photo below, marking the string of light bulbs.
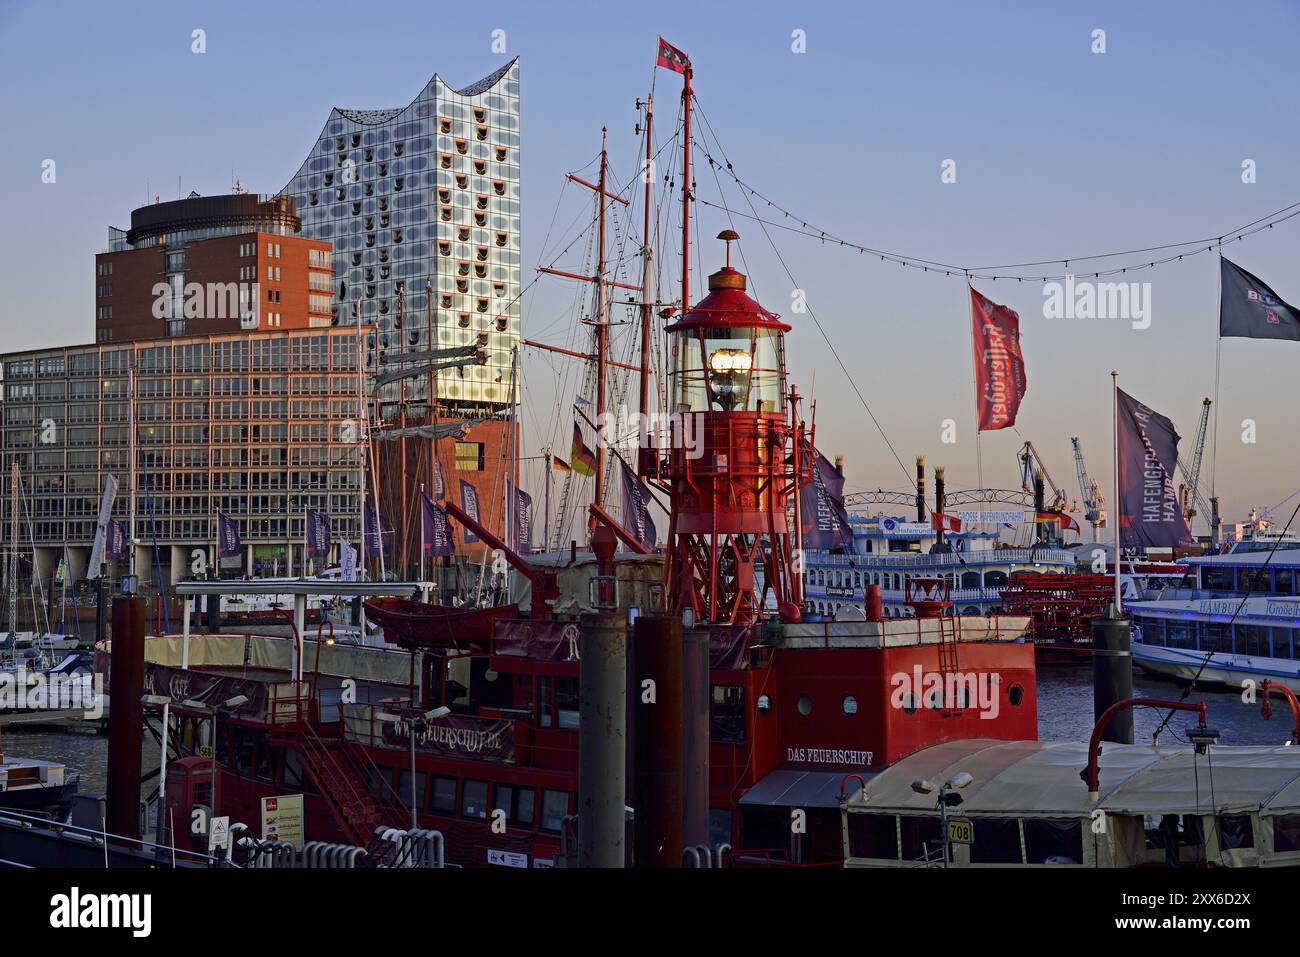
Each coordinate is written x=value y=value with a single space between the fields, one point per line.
x=1167 y=252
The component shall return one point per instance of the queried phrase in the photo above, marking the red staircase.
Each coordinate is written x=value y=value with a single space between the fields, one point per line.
x=354 y=809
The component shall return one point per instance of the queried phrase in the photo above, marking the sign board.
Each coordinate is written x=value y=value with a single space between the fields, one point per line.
x=990 y=516
x=896 y=526
x=961 y=831
x=219 y=833
x=282 y=819
x=507 y=858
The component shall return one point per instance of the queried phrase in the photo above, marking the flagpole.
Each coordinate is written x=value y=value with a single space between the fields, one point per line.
x=1218 y=354
x=423 y=532
x=1119 y=493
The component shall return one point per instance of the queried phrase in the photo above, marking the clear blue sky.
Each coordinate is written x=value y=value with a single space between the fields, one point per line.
x=1059 y=152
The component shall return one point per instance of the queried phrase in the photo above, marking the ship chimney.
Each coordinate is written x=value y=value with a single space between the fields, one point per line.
x=1039 y=495
x=939 y=505
x=839 y=464
x=920 y=488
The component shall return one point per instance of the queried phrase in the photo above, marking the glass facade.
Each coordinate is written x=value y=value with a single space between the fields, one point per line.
x=420 y=198
x=260 y=426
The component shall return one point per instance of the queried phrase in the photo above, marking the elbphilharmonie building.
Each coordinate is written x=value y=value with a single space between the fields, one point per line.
x=425 y=196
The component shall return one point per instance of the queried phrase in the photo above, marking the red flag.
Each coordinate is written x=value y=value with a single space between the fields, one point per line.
x=946 y=523
x=1065 y=520
x=999 y=366
x=671 y=58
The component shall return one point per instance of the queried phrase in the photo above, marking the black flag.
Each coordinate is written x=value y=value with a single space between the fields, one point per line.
x=821 y=503
x=1249 y=309
x=1150 y=515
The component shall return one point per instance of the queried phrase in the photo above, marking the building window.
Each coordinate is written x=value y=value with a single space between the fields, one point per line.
x=474 y=800
x=555 y=808
x=469 y=456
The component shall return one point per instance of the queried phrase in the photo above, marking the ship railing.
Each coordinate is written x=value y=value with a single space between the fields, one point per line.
x=97 y=837
x=288 y=702
x=980 y=556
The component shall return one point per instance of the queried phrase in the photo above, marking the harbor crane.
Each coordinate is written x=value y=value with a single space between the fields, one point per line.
x=1090 y=492
x=1189 y=495
x=1030 y=464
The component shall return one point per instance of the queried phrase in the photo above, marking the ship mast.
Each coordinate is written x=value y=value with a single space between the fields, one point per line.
x=13 y=549
x=646 y=306
x=686 y=190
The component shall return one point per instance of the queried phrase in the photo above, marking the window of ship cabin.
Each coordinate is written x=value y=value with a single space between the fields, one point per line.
x=873 y=836
x=404 y=787
x=727 y=714
x=1216 y=636
x=444 y=795
x=719 y=826
x=245 y=750
x=1180 y=634
x=555 y=808
x=1052 y=841
x=518 y=803
x=921 y=838
x=997 y=841
x=544 y=719
x=474 y=800
x=1286 y=833
x=1284 y=581
x=1235 y=831
x=293 y=777
x=1217 y=579
x=1257 y=580
x=1282 y=637
x=381 y=786
x=1251 y=640
x=566 y=703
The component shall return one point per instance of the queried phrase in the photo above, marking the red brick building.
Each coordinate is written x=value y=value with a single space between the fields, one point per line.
x=207 y=265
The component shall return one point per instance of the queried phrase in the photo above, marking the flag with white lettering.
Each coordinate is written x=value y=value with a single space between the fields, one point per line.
x=375 y=534
x=436 y=535
x=1149 y=512
x=227 y=536
x=318 y=533
x=824 y=518
x=347 y=561
x=523 y=542
x=115 y=541
x=999 y=366
x=1249 y=309
x=636 y=509
x=439 y=486
x=469 y=504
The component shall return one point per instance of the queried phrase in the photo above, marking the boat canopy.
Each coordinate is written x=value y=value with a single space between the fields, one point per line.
x=1029 y=780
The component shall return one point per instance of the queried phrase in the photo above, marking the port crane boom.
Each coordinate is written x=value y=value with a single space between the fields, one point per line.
x=1189 y=494
x=1090 y=492
x=1030 y=463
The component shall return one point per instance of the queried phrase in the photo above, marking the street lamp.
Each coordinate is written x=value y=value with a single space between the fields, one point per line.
x=948 y=797
x=418 y=724
x=163 y=702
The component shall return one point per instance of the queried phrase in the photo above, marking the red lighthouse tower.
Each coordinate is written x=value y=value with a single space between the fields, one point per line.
x=736 y=466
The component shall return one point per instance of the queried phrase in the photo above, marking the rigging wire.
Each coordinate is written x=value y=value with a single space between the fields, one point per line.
x=829 y=345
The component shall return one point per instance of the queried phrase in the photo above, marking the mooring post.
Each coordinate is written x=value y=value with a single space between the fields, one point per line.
x=658 y=709
x=1112 y=674
x=125 y=717
x=602 y=741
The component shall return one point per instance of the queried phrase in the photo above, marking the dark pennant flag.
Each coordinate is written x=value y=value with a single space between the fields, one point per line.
x=318 y=533
x=115 y=541
x=469 y=503
x=376 y=537
x=1249 y=309
x=436 y=531
x=821 y=506
x=523 y=543
x=1149 y=512
x=227 y=536
x=636 y=509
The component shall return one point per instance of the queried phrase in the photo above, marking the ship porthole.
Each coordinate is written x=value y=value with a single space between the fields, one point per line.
x=1015 y=694
x=849 y=704
x=805 y=705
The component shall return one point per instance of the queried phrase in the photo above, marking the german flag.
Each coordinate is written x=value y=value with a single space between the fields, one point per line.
x=560 y=465
x=584 y=459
